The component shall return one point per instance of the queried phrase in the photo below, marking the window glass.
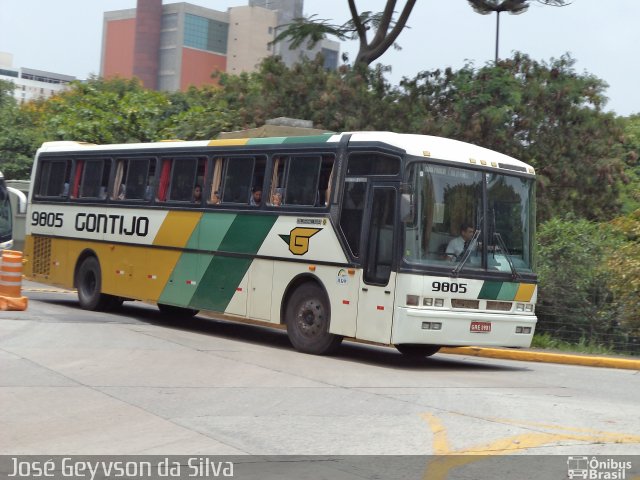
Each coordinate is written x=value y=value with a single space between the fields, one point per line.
x=448 y=209
x=352 y=212
x=5 y=214
x=381 y=234
x=134 y=179
x=183 y=179
x=302 y=181
x=237 y=180
x=511 y=222
x=54 y=178
x=95 y=177
x=371 y=163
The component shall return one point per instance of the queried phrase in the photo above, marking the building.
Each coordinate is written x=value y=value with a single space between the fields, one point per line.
x=31 y=84
x=175 y=46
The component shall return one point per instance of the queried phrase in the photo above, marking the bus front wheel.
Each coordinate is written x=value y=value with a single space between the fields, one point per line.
x=417 y=351
x=308 y=317
x=89 y=285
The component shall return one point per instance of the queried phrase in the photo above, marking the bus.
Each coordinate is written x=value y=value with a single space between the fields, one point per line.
x=329 y=236
x=6 y=217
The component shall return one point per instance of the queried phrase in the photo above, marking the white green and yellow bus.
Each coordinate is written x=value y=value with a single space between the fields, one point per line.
x=336 y=235
x=6 y=217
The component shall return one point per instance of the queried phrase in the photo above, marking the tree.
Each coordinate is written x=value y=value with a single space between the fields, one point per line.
x=386 y=30
x=19 y=135
x=574 y=302
x=514 y=7
x=545 y=114
x=106 y=111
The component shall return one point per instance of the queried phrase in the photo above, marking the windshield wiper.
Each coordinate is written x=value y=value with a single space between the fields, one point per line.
x=514 y=273
x=466 y=254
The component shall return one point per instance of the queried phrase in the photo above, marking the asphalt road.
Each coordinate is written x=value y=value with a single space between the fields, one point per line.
x=138 y=382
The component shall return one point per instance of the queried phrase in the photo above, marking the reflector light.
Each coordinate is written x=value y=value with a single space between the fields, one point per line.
x=413 y=300
x=518 y=329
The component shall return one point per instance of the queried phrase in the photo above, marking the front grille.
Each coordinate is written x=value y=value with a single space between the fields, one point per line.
x=41 y=256
x=502 y=306
x=464 y=303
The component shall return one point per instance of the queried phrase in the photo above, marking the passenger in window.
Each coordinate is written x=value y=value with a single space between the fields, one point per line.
x=459 y=245
x=122 y=193
x=215 y=198
x=276 y=199
x=197 y=194
x=256 y=196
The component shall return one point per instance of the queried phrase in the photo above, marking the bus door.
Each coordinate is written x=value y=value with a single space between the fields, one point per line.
x=377 y=283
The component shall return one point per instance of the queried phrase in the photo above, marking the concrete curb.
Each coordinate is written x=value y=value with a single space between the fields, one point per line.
x=544 y=357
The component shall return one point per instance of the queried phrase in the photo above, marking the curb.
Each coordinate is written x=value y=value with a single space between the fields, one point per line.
x=543 y=357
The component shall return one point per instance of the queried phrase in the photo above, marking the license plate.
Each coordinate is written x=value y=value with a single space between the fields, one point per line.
x=481 y=327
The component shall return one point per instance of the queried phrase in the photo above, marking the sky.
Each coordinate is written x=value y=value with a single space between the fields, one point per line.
x=65 y=36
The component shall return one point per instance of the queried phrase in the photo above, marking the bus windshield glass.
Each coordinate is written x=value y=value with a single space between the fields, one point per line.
x=453 y=226
x=5 y=214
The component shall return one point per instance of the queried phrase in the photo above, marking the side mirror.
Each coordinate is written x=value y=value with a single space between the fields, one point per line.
x=407 y=210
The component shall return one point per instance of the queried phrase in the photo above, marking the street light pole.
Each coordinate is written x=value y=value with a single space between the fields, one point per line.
x=497 y=33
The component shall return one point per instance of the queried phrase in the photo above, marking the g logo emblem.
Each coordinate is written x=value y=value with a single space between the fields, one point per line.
x=298 y=239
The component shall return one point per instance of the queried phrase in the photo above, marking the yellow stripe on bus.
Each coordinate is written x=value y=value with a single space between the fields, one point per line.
x=177 y=228
x=525 y=292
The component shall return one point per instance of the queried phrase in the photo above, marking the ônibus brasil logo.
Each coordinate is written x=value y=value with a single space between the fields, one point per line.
x=597 y=469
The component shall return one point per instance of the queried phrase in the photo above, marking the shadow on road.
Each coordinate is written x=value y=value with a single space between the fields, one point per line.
x=350 y=351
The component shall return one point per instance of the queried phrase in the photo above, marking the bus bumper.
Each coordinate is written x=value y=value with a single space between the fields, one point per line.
x=442 y=327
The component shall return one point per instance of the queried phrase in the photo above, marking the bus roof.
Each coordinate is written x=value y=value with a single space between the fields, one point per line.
x=418 y=145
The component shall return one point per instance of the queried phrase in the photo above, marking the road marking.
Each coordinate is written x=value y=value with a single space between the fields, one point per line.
x=449 y=458
x=46 y=290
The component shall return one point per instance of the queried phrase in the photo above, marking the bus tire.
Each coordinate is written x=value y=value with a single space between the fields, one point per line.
x=308 y=317
x=412 y=350
x=174 y=311
x=89 y=285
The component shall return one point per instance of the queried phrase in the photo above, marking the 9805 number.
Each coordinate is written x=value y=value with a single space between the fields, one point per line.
x=46 y=219
x=449 y=287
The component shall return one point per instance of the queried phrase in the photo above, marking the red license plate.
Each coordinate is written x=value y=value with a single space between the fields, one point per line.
x=481 y=327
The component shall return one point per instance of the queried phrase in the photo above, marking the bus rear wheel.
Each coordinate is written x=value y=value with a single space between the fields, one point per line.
x=308 y=318
x=417 y=351
x=174 y=311
x=89 y=285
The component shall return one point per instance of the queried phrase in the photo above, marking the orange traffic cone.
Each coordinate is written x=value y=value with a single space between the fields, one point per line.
x=11 y=281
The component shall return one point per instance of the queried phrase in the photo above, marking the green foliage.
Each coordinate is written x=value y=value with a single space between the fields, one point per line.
x=624 y=264
x=574 y=299
x=345 y=99
x=631 y=190
x=105 y=111
x=544 y=114
x=19 y=136
x=583 y=345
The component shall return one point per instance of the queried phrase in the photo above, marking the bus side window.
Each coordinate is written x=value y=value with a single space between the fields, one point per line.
x=53 y=178
x=277 y=180
x=134 y=179
x=237 y=180
x=257 y=182
x=302 y=180
x=91 y=178
x=183 y=179
x=216 y=182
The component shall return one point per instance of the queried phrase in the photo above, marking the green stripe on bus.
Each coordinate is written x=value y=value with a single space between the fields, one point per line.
x=185 y=278
x=508 y=291
x=219 y=283
x=309 y=139
x=223 y=274
x=211 y=230
x=266 y=141
x=490 y=290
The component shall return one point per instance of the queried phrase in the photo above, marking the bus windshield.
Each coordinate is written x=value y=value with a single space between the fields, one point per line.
x=454 y=226
x=5 y=214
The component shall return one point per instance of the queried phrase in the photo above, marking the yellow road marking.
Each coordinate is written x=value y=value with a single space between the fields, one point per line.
x=438 y=468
